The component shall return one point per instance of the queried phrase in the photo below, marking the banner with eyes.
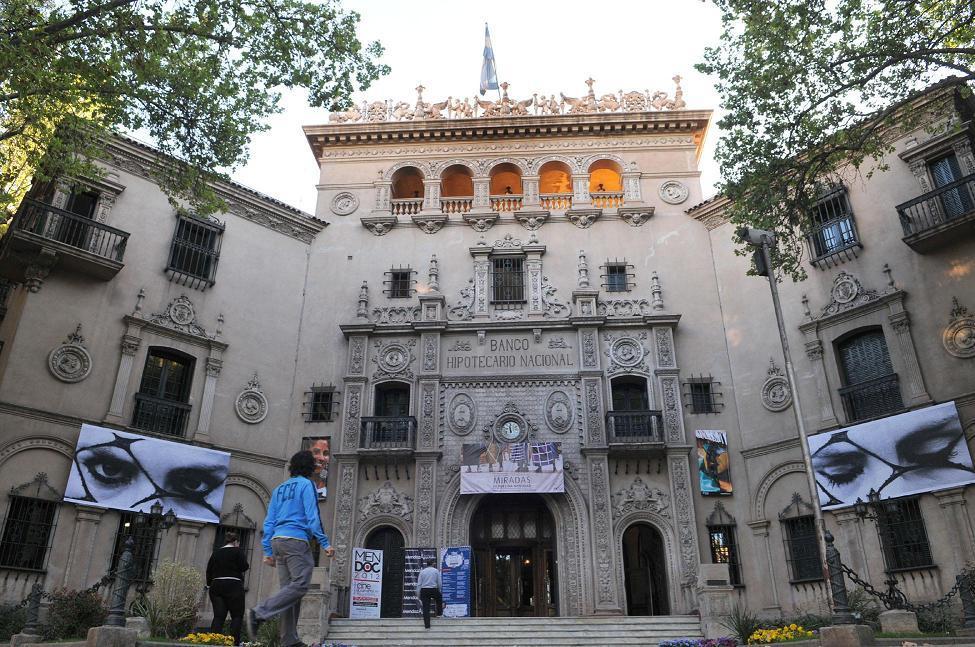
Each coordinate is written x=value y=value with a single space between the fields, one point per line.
x=124 y=471
x=911 y=453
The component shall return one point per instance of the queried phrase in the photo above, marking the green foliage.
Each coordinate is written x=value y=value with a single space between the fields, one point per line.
x=71 y=613
x=811 y=88
x=269 y=633
x=864 y=607
x=943 y=619
x=198 y=76
x=171 y=605
x=742 y=623
x=810 y=621
x=13 y=617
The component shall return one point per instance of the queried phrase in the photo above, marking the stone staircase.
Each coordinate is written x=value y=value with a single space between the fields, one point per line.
x=514 y=632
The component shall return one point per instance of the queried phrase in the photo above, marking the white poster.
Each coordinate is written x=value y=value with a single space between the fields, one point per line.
x=503 y=468
x=367 y=583
x=911 y=453
x=123 y=471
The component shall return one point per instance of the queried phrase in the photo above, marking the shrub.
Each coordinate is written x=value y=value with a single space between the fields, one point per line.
x=780 y=634
x=208 y=639
x=864 y=607
x=170 y=607
x=811 y=621
x=72 y=613
x=941 y=619
x=742 y=623
x=12 y=620
x=269 y=633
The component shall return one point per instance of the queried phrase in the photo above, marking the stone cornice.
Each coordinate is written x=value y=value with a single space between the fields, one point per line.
x=142 y=160
x=711 y=212
x=670 y=320
x=771 y=448
x=172 y=333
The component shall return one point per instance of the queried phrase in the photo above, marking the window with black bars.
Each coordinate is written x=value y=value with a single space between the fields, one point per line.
x=244 y=535
x=508 y=279
x=143 y=547
x=27 y=532
x=724 y=550
x=617 y=276
x=832 y=228
x=701 y=395
x=321 y=403
x=903 y=535
x=871 y=388
x=802 y=548
x=162 y=403
x=400 y=283
x=194 y=252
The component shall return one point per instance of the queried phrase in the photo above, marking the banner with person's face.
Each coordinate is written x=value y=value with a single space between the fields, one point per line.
x=713 y=461
x=910 y=453
x=320 y=448
x=504 y=468
x=124 y=471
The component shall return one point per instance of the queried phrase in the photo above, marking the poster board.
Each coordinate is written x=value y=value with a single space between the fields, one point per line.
x=713 y=462
x=367 y=583
x=413 y=560
x=455 y=579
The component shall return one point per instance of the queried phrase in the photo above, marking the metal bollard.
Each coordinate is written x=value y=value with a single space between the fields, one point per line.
x=32 y=626
x=841 y=606
x=966 y=590
x=116 y=614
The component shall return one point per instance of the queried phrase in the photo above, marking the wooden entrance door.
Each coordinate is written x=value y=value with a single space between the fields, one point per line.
x=390 y=541
x=644 y=569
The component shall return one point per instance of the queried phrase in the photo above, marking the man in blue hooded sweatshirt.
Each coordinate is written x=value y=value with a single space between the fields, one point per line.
x=292 y=522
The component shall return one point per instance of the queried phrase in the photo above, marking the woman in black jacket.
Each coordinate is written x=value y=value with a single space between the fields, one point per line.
x=225 y=577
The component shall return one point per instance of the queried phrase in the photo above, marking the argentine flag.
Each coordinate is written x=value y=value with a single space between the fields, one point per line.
x=489 y=74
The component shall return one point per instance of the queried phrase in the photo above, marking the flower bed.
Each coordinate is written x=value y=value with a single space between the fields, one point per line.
x=208 y=639
x=780 y=634
x=699 y=642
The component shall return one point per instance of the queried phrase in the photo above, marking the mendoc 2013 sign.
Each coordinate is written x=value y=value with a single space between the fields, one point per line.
x=367 y=583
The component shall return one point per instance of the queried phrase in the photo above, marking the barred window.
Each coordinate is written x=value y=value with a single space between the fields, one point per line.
x=616 y=276
x=724 y=550
x=508 y=279
x=400 y=284
x=162 y=403
x=194 y=252
x=802 y=548
x=27 y=532
x=871 y=388
x=143 y=547
x=701 y=394
x=832 y=228
x=903 y=535
x=320 y=404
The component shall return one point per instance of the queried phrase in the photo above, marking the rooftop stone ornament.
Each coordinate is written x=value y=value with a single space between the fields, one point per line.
x=538 y=104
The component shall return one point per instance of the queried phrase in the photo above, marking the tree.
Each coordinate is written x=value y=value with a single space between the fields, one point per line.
x=198 y=76
x=812 y=87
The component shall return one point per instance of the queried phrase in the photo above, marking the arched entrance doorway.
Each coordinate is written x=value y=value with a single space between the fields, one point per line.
x=645 y=571
x=513 y=541
x=390 y=541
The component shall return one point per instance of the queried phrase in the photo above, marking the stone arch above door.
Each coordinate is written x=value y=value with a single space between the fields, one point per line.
x=669 y=535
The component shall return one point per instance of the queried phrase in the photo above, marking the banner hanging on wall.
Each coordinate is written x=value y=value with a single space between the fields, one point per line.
x=455 y=579
x=124 y=471
x=505 y=468
x=367 y=583
x=413 y=561
x=713 y=461
x=320 y=447
x=911 y=453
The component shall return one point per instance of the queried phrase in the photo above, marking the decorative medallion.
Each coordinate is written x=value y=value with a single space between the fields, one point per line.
x=71 y=361
x=673 y=192
x=181 y=311
x=959 y=336
x=462 y=414
x=626 y=351
x=344 y=203
x=251 y=405
x=776 y=395
x=640 y=497
x=394 y=359
x=847 y=293
x=180 y=315
x=558 y=412
x=386 y=500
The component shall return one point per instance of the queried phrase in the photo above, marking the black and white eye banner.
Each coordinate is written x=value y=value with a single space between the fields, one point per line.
x=123 y=471
x=911 y=453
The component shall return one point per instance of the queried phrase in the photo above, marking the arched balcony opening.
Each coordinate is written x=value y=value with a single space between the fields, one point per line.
x=506 y=188
x=555 y=186
x=407 y=191
x=456 y=189
x=606 y=184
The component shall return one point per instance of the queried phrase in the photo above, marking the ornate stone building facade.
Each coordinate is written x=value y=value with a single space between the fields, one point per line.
x=527 y=270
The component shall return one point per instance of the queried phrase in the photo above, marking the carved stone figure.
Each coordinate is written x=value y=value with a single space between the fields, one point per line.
x=70 y=362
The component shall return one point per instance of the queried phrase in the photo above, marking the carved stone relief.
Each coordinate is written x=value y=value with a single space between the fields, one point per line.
x=180 y=315
x=429 y=352
x=251 y=404
x=386 y=500
x=70 y=362
x=673 y=421
x=624 y=308
x=847 y=293
x=673 y=192
x=640 y=497
x=395 y=315
x=427 y=403
x=344 y=203
x=394 y=359
x=559 y=412
x=553 y=308
x=462 y=414
x=602 y=522
x=583 y=219
x=665 y=347
x=464 y=309
x=353 y=405
x=357 y=355
x=959 y=336
x=589 y=348
x=424 y=504
x=626 y=353
x=344 y=514
x=681 y=483
x=594 y=414
x=776 y=395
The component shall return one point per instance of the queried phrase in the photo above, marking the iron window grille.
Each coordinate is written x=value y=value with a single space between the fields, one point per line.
x=832 y=232
x=903 y=535
x=701 y=395
x=320 y=404
x=801 y=541
x=871 y=388
x=508 y=279
x=400 y=283
x=194 y=252
x=143 y=547
x=617 y=276
x=29 y=525
x=161 y=404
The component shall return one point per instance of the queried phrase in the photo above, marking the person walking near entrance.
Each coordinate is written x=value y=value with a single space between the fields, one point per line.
x=292 y=522
x=428 y=590
x=225 y=579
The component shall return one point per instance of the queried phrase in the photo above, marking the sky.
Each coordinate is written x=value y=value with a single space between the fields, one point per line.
x=539 y=46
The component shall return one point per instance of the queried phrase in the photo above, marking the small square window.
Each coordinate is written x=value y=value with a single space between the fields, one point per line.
x=508 y=280
x=702 y=395
x=399 y=283
x=320 y=404
x=617 y=276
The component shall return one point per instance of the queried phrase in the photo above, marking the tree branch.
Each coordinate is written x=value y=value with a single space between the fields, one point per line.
x=80 y=17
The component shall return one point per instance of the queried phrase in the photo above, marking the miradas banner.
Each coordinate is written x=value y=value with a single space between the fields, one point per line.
x=505 y=468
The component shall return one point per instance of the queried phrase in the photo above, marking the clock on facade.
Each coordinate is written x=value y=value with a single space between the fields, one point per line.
x=510 y=431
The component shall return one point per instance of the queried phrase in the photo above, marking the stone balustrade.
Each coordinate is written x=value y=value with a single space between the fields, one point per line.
x=607 y=199
x=556 y=201
x=506 y=203
x=406 y=206
x=456 y=205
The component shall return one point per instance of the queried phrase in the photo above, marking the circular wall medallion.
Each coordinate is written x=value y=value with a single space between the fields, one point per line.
x=959 y=337
x=394 y=358
x=558 y=412
x=627 y=351
x=461 y=414
x=69 y=363
x=344 y=203
x=673 y=192
x=251 y=406
x=776 y=395
x=845 y=289
x=181 y=312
